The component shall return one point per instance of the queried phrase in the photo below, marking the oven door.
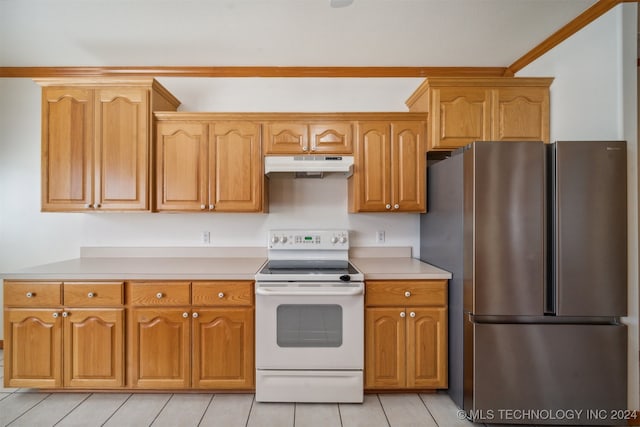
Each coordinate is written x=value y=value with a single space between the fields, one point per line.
x=309 y=325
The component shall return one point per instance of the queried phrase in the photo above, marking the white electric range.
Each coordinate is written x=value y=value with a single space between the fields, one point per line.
x=309 y=319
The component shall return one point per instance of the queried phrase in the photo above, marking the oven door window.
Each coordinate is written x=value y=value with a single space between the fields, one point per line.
x=309 y=325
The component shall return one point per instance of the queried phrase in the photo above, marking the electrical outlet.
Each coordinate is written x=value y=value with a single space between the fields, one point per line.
x=206 y=237
x=380 y=236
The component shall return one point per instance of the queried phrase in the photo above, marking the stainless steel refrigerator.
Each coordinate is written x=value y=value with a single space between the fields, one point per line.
x=536 y=238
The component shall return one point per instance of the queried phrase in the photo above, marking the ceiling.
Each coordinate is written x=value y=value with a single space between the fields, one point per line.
x=276 y=32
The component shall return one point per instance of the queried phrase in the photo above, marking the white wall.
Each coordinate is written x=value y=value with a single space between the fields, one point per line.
x=594 y=96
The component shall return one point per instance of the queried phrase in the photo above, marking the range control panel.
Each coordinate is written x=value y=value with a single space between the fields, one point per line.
x=309 y=239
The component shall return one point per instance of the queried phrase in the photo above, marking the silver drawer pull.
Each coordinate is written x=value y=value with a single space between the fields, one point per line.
x=55 y=315
x=407 y=294
x=195 y=315
x=387 y=206
x=412 y=314
x=30 y=295
x=91 y=295
x=65 y=314
x=202 y=207
x=185 y=314
x=396 y=206
x=221 y=295
x=211 y=207
x=159 y=295
x=403 y=314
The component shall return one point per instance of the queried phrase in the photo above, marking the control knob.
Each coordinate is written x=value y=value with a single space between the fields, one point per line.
x=343 y=239
x=275 y=239
x=283 y=239
x=334 y=240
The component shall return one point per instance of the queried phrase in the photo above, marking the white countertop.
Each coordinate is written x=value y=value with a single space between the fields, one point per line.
x=211 y=264
x=162 y=268
x=398 y=269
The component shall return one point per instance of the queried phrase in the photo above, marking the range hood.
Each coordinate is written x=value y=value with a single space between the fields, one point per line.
x=309 y=166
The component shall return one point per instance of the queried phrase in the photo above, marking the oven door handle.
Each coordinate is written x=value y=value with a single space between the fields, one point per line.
x=306 y=292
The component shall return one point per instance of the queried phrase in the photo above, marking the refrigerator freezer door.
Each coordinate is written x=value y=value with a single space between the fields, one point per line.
x=590 y=221
x=548 y=369
x=504 y=228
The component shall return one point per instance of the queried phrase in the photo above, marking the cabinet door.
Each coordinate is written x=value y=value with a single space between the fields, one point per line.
x=459 y=116
x=223 y=348
x=372 y=190
x=160 y=348
x=235 y=175
x=408 y=166
x=286 y=138
x=384 y=363
x=426 y=347
x=94 y=348
x=181 y=166
x=33 y=349
x=521 y=114
x=331 y=138
x=122 y=144
x=67 y=149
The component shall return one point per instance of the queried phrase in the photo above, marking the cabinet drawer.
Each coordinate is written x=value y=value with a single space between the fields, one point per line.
x=407 y=293
x=32 y=294
x=159 y=293
x=92 y=294
x=223 y=293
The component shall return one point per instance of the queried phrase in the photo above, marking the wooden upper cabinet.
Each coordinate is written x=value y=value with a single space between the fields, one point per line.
x=96 y=138
x=122 y=156
x=373 y=166
x=520 y=114
x=286 y=138
x=408 y=166
x=462 y=110
x=235 y=175
x=308 y=136
x=181 y=166
x=208 y=166
x=390 y=167
x=67 y=148
x=459 y=116
x=331 y=138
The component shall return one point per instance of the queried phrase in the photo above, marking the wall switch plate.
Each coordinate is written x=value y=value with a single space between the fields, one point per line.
x=206 y=237
x=380 y=236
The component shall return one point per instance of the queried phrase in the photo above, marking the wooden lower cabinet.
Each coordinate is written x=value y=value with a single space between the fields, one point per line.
x=406 y=345
x=192 y=346
x=55 y=346
x=223 y=348
x=94 y=348
x=33 y=348
x=160 y=347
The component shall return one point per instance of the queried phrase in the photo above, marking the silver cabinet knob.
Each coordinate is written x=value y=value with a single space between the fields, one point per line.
x=387 y=206
x=159 y=295
x=203 y=207
x=211 y=207
x=195 y=315
x=185 y=314
x=30 y=294
x=65 y=314
x=412 y=314
x=305 y=148
x=221 y=295
x=91 y=295
x=407 y=294
x=403 y=314
x=55 y=315
x=396 y=206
